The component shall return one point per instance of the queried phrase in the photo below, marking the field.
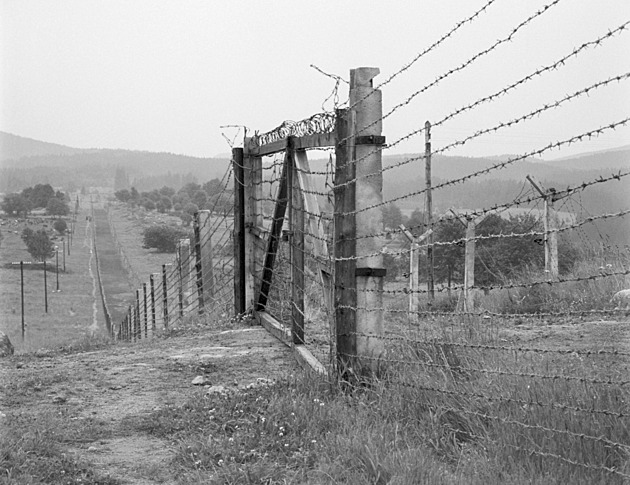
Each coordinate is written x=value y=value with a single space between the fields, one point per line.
x=73 y=312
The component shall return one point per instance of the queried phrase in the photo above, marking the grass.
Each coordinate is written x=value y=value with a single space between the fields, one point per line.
x=33 y=449
x=435 y=425
x=71 y=311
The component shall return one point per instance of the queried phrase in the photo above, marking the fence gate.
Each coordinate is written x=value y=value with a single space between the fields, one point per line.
x=308 y=264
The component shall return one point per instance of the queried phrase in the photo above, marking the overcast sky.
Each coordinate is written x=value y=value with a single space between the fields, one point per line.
x=165 y=75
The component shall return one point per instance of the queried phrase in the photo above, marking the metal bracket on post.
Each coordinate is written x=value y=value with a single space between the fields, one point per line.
x=369 y=140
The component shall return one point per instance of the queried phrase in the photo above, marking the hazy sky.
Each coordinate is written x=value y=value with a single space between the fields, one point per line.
x=164 y=75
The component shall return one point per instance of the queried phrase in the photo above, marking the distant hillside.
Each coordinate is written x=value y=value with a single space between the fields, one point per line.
x=25 y=162
x=13 y=147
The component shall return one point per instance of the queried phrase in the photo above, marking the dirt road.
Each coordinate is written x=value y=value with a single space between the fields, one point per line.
x=99 y=393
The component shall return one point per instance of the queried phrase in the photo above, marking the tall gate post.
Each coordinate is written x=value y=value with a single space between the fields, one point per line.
x=359 y=168
x=296 y=238
x=239 y=232
x=253 y=216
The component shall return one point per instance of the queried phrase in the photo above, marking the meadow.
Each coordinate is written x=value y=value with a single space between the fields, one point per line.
x=73 y=312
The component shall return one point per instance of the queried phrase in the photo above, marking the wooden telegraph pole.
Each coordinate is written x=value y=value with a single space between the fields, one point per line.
x=550 y=226
x=429 y=212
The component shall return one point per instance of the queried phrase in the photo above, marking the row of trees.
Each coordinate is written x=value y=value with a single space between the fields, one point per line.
x=39 y=196
x=191 y=198
x=497 y=260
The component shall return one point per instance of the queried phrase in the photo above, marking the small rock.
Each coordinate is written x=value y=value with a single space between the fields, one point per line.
x=216 y=390
x=200 y=381
x=6 y=347
x=115 y=388
x=59 y=399
x=92 y=449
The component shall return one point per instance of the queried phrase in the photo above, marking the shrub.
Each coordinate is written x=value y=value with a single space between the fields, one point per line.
x=60 y=226
x=38 y=244
x=163 y=238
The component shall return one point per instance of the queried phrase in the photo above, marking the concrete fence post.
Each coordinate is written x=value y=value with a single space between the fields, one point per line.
x=358 y=200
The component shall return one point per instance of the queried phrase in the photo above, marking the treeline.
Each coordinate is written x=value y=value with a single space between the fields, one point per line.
x=43 y=196
x=184 y=202
x=498 y=260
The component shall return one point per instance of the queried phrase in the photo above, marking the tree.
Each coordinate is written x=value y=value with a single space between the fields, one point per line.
x=164 y=205
x=60 y=226
x=392 y=216
x=121 y=181
x=163 y=238
x=191 y=208
x=16 y=204
x=448 y=259
x=167 y=191
x=39 y=245
x=147 y=203
x=39 y=195
x=57 y=207
x=416 y=222
x=123 y=195
x=200 y=198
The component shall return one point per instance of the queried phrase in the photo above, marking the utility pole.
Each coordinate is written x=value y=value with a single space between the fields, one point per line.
x=429 y=210
x=22 y=263
x=57 y=266
x=550 y=223
x=45 y=288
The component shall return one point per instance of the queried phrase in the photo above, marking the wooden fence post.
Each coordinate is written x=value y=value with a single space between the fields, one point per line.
x=344 y=288
x=145 y=311
x=429 y=209
x=138 y=328
x=183 y=261
x=165 y=296
x=198 y=265
x=207 y=254
x=152 y=300
x=254 y=239
x=296 y=237
x=240 y=291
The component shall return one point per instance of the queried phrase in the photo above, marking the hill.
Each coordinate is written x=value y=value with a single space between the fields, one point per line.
x=25 y=162
x=13 y=147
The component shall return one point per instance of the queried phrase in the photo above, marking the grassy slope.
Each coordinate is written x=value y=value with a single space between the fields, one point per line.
x=71 y=312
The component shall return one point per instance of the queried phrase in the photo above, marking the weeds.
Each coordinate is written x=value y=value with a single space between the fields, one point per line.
x=32 y=451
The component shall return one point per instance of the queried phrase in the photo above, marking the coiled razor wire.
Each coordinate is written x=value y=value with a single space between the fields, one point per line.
x=318 y=123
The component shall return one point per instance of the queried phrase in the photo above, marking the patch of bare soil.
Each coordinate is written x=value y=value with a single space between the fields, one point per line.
x=111 y=388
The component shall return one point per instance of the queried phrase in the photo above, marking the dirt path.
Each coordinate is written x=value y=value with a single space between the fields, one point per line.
x=103 y=392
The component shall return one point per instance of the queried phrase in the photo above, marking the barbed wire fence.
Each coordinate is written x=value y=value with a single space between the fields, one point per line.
x=307 y=243
x=321 y=260
x=197 y=281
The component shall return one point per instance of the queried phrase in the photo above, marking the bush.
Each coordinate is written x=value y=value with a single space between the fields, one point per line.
x=163 y=238
x=60 y=226
x=57 y=207
x=38 y=244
